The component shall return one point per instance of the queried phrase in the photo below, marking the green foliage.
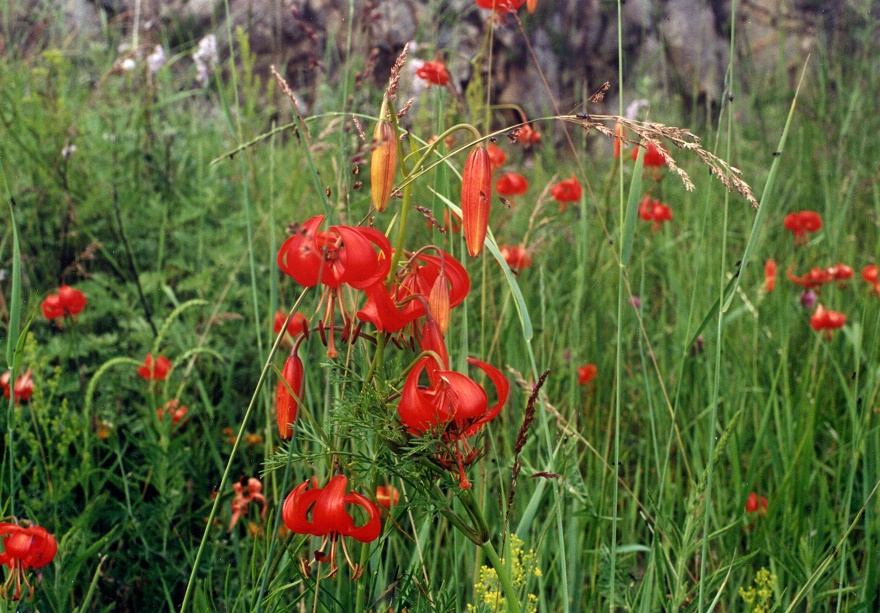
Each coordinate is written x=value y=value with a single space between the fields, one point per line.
x=158 y=239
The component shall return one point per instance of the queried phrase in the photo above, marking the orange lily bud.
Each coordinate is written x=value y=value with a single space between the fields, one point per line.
x=438 y=303
x=476 y=197
x=383 y=164
x=288 y=404
x=531 y=5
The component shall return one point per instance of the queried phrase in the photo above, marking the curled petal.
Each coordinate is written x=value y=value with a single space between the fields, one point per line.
x=502 y=389
x=371 y=530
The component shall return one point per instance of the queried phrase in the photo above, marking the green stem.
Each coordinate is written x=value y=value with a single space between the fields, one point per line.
x=504 y=579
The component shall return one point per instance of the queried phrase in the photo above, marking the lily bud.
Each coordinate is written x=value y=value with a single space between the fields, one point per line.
x=288 y=404
x=383 y=164
x=438 y=303
x=476 y=197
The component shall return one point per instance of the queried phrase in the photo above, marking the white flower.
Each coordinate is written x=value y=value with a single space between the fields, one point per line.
x=128 y=64
x=156 y=59
x=205 y=58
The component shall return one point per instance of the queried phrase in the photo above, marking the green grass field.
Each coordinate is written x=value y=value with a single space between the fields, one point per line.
x=166 y=203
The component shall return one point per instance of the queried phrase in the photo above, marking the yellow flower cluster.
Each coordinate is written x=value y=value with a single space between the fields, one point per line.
x=759 y=596
x=488 y=589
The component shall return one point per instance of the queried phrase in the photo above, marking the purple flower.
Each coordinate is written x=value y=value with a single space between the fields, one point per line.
x=808 y=299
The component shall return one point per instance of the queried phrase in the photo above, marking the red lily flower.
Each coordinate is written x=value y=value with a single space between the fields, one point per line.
x=434 y=73
x=497 y=157
x=528 y=135
x=566 y=191
x=287 y=404
x=242 y=500
x=840 y=272
x=297 y=324
x=516 y=257
x=654 y=211
x=500 y=7
x=756 y=505
x=652 y=157
x=827 y=320
x=817 y=277
x=176 y=411
x=476 y=198
x=24 y=548
x=801 y=223
x=512 y=184
x=23 y=388
x=387 y=496
x=342 y=254
x=391 y=312
x=587 y=373
x=769 y=275
x=871 y=274
x=155 y=370
x=329 y=518
x=453 y=404
x=68 y=301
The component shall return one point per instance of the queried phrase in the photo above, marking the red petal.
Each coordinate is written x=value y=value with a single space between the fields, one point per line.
x=371 y=530
x=502 y=389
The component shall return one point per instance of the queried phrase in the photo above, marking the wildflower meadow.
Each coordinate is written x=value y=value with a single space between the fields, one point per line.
x=386 y=343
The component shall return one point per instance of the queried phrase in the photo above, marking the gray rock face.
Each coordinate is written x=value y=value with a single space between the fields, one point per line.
x=679 y=42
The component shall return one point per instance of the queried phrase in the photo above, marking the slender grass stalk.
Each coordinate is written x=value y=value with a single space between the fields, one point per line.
x=719 y=332
x=13 y=338
x=618 y=353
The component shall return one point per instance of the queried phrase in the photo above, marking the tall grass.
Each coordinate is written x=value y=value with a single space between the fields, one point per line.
x=633 y=487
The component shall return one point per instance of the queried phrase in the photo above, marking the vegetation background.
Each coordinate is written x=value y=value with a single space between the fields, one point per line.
x=122 y=184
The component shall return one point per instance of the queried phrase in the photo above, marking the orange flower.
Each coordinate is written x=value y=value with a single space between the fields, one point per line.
x=496 y=155
x=242 y=500
x=512 y=184
x=871 y=274
x=566 y=191
x=815 y=278
x=754 y=504
x=298 y=323
x=500 y=7
x=529 y=135
x=23 y=388
x=652 y=157
x=769 y=275
x=823 y=319
x=155 y=370
x=516 y=257
x=175 y=411
x=24 y=548
x=387 y=496
x=655 y=211
x=435 y=73
x=587 y=373
x=476 y=198
x=801 y=223
x=840 y=272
